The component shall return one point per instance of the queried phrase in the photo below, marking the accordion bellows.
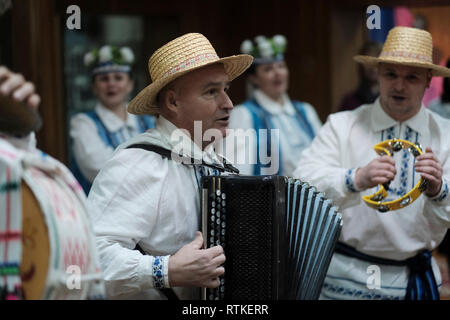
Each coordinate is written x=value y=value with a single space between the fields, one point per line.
x=278 y=235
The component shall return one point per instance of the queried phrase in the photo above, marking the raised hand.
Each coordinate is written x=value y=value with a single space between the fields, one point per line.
x=378 y=171
x=430 y=169
x=14 y=85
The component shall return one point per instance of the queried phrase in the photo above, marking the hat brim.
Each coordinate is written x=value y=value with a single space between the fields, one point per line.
x=436 y=70
x=145 y=101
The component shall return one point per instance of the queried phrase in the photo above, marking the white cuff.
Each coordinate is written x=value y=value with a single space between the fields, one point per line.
x=160 y=272
x=443 y=193
x=349 y=179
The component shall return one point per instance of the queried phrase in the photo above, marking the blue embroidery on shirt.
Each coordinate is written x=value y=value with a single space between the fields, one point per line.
x=357 y=293
x=390 y=133
x=349 y=183
x=444 y=193
x=158 y=273
x=402 y=189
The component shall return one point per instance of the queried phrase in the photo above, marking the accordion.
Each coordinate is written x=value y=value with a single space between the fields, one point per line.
x=278 y=235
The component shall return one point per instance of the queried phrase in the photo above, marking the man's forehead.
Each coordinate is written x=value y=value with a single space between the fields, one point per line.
x=402 y=68
x=204 y=75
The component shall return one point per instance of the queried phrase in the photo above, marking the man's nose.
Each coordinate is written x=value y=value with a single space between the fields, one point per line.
x=226 y=102
x=399 y=84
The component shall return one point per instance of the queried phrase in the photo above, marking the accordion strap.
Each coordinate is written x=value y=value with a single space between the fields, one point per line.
x=421 y=282
x=166 y=153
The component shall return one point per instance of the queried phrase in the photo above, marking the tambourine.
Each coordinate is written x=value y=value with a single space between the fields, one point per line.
x=388 y=147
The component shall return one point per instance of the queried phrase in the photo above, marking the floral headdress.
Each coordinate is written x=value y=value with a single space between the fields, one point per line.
x=109 y=59
x=265 y=50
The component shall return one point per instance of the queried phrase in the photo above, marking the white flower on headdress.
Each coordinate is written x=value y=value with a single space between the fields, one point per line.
x=105 y=54
x=279 y=40
x=265 y=49
x=127 y=55
x=246 y=47
x=89 y=58
x=259 y=39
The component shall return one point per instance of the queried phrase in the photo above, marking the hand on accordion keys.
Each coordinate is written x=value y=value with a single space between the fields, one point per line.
x=193 y=266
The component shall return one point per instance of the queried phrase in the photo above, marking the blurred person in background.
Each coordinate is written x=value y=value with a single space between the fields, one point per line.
x=95 y=134
x=269 y=107
x=367 y=90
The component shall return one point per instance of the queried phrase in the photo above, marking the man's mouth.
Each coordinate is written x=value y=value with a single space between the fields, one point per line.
x=398 y=98
x=227 y=118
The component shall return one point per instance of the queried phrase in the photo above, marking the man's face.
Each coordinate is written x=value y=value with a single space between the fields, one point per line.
x=402 y=89
x=202 y=95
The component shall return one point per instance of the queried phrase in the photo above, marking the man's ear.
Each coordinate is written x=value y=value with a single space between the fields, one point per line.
x=170 y=100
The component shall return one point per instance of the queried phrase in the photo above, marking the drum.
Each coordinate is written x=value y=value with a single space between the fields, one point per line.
x=56 y=255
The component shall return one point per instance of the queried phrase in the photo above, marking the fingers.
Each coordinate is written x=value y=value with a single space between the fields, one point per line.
x=213 y=283
x=218 y=259
x=23 y=91
x=11 y=83
x=34 y=100
x=198 y=241
x=429 y=166
x=14 y=84
x=386 y=159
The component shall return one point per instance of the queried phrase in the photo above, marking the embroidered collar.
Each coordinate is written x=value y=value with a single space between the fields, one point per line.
x=112 y=121
x=272 y=106
x=380 y=120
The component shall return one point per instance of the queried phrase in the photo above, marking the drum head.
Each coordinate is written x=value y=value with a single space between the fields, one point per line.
x=35 y=246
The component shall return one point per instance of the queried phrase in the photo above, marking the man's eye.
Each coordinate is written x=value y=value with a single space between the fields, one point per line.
x=390 y=75
x=412 y=78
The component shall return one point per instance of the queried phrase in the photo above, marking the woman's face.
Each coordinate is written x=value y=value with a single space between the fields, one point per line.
x=113 y=88
x=272 y=79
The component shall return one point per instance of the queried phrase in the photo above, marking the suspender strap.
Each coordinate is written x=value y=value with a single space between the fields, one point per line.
x=302 y=118
x=103 y=132
x=421 y=282
x=166 y=153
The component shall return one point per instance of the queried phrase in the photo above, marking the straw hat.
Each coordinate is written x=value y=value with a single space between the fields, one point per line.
x=409 y=47
x=178 y=57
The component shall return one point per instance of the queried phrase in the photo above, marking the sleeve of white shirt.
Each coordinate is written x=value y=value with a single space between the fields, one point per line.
x=439 y=205
x=89 y=150
x=239 y=147
x=320 y=165
x=122 y=214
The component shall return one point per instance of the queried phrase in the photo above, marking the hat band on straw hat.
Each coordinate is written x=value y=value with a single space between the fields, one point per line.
x=405 y=54
x=192 y=61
